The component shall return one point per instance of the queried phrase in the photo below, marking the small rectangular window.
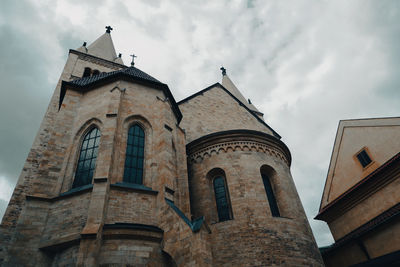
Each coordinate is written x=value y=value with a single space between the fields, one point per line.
x=364 y=158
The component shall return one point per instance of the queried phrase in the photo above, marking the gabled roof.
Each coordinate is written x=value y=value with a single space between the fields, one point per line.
x=230 y=86
x=344 y=172
x=128 y=74
x=373 y=181
x=253 y=113
x=131 y=71
x=102 y=47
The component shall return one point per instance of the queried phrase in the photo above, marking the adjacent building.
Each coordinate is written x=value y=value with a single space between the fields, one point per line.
x=361 y=198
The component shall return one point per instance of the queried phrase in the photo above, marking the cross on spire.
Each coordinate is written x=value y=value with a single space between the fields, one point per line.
x=108 y=29
x=223 y=71
x=133 y=60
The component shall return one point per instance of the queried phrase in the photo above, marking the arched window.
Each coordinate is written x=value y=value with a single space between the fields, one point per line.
x=87 y=158
x=221 y=198
x=86 y=72
x=266 y=173
x=96 y=72
x=133 y=171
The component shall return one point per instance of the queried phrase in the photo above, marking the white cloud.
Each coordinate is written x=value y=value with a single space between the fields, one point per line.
x=6 y=189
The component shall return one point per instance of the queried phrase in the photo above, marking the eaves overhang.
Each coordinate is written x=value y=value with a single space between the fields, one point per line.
x=239 y=135
x=117 y=76
x=367 y=186
x=385 y=217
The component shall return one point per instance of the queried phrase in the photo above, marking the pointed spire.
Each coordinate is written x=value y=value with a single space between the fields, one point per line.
x=230 y=86
x=103 y=47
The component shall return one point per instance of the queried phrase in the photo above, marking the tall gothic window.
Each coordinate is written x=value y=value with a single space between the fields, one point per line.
x=133 y=171
x=221 y=198
x=87 y=158
x=273 y=205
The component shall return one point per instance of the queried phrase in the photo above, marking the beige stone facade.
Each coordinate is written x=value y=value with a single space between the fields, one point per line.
x=172 y=217
x=361 y=200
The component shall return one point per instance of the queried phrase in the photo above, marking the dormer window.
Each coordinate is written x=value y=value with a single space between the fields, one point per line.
x=87 y=72
x=364 y=158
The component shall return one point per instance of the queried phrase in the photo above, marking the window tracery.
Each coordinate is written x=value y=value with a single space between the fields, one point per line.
x=87 y=158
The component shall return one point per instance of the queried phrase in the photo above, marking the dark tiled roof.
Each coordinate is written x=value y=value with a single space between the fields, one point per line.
x=131 y=71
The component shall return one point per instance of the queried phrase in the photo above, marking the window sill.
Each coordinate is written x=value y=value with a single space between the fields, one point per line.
x=134 y=187
x=282 y=217
x=76 y=190
x=69 y=193
x=219 y=222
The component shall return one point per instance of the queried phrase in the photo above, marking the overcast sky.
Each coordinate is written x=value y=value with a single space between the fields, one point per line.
x=304 y=64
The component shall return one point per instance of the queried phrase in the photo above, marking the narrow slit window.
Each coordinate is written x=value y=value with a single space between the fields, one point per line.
x=87 y=158
x=134 y=159
x=273 y=205
x=221 y=198
x=364 y=158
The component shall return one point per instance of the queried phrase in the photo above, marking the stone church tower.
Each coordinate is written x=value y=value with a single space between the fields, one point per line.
x=120 y=174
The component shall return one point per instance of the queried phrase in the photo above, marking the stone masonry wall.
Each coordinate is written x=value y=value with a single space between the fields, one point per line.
x=66 y=217
x=215 y=111
x=253 y=237
x=126 y=206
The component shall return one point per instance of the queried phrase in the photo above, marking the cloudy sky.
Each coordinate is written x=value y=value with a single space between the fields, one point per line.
x=305 y=64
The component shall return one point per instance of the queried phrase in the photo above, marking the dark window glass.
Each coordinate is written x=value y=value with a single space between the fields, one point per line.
x=86 y=72
x=270 y=195
x=221 y=199
x=363 y=158
x=133 y=171
x=96 y=72
x=87 y=159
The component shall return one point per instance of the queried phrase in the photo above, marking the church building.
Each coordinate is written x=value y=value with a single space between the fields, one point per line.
x=120 y=174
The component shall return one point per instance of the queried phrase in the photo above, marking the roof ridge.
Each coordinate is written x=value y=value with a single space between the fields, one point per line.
x=131 y=71
x=217 y=84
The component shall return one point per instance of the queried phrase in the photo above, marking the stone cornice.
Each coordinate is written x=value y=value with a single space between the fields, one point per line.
x=132 y=231
x=387 y=216
x=234 y=140
x=71 y=193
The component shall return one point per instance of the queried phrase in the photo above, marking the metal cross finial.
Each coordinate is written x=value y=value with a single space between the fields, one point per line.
x=108 y=29
x=133 y=60
x=223 y=71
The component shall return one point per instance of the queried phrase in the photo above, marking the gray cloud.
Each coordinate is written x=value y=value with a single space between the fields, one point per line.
x=3 y=207
x=305 y=64
x=23 y=99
